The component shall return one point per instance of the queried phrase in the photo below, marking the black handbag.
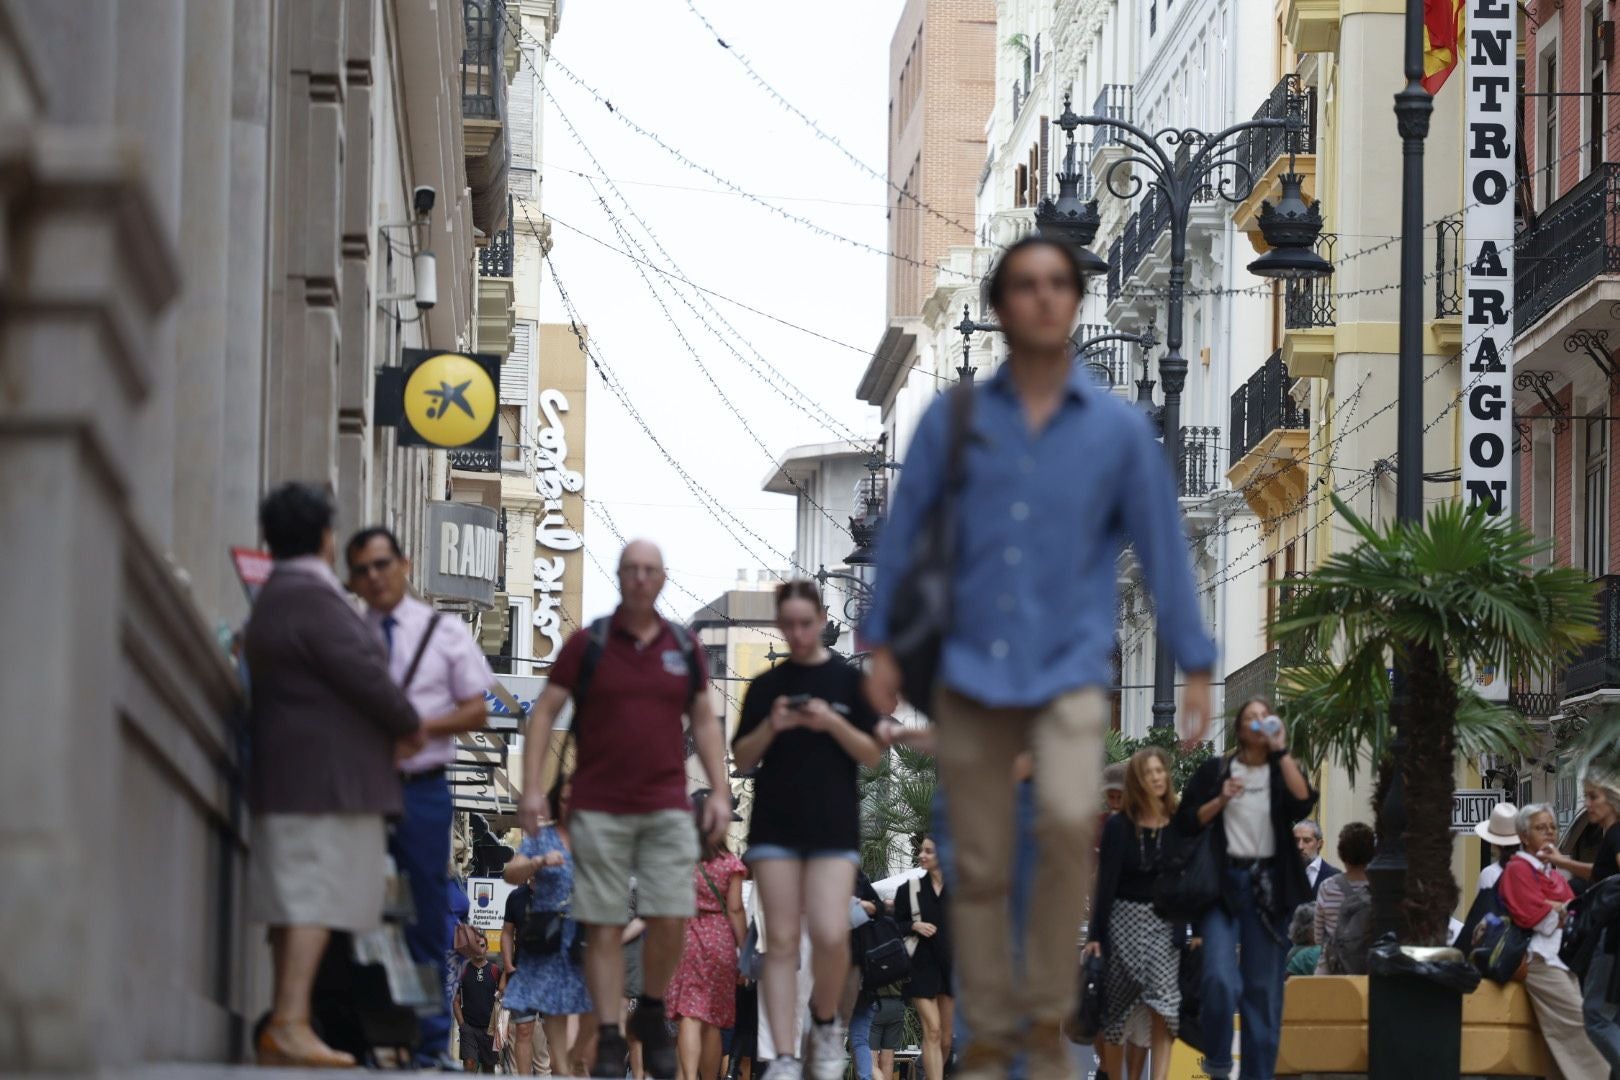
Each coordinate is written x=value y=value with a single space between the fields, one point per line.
x=1088 y=1014
x=882 y=951
x=1190 y=977
x=921 y=615
x=1189 y=881
x=541 y=933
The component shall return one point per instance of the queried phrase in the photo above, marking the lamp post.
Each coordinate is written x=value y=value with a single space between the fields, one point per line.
x=1413 y=105
x=1290 y=228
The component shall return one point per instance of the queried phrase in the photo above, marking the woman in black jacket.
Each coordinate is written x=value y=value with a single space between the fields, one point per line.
x=1140 y=950
x=1251 y=801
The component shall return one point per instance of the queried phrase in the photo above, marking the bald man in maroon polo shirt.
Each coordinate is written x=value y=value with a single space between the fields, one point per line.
x=629 y=812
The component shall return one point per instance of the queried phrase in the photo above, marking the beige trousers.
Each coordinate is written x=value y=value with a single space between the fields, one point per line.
x=977 y=747
x=1556 y=997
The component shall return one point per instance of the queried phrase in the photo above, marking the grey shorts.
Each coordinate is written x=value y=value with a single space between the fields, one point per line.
x=659 y=849
x=889 y=1024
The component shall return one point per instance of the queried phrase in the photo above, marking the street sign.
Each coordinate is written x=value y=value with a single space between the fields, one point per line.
x=1470 y=806
x=252 y=569
x=463 y=552
x=486 y=902
x=449 y=400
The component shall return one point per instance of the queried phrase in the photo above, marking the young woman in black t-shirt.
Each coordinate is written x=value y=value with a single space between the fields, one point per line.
x=808 y=726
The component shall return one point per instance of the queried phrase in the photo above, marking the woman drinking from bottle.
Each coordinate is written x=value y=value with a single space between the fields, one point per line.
x=1250 y=801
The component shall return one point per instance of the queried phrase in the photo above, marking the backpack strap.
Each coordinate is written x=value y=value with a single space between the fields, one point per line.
x=596 y=643
x=688 y=647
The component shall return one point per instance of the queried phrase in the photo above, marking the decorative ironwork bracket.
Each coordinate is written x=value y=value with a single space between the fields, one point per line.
x=1539 y=383
x=1595 y=343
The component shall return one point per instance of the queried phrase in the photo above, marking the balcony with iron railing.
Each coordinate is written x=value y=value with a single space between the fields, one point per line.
x=1597 y=667
x=484 y=110
x=1110 y=359
x=1200 y=472
x=1575 y=241
x=1308 y=302
x=1263 y=406
x=1263 y=154
x=1113 y=103
x=1269 y=433
x=494 y=313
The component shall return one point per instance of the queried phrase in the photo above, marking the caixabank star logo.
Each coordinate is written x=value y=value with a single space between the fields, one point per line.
x=450 y=399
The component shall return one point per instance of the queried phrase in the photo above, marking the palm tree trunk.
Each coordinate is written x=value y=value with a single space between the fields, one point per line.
x=1431 y=891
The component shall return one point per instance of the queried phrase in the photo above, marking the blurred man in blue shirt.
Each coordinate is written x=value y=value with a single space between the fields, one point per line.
x=1060 y=475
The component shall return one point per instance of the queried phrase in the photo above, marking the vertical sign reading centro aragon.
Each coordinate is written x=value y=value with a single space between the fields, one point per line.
x=1488 y=182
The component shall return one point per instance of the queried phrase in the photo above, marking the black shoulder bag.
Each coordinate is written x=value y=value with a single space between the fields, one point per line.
x=921 y=616
x=1189 y=881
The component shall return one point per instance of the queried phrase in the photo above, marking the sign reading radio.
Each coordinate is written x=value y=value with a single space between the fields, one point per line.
x=464 y=552
x=1487 y=425
x=553 y=478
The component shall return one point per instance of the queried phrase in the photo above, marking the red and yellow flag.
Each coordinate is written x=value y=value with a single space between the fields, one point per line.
x=1442 y=41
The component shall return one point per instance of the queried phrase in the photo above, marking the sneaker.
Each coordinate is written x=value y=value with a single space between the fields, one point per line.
x=784 y=1068
x=647 y=1023
x=827 y=1058
x=612 y=1051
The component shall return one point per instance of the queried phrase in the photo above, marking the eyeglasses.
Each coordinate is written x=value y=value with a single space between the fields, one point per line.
x=640 y=571
x=375 y=566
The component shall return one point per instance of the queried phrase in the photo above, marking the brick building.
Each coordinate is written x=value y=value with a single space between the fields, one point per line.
x=1565 y=314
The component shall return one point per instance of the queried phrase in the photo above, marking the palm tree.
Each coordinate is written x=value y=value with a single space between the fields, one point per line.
x=1456 y=594
x=897 y=806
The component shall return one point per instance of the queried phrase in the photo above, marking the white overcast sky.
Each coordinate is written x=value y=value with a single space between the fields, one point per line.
x=655 y=61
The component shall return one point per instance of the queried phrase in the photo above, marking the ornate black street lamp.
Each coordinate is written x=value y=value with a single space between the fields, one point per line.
x=1290 y=228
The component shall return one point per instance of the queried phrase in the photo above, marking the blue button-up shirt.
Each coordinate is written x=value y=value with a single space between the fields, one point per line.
x=1041 y=521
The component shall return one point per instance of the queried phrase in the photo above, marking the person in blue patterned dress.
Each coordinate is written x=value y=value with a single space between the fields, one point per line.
x=550 y=984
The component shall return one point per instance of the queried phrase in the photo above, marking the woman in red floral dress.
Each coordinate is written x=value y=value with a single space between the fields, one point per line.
x=702 y=995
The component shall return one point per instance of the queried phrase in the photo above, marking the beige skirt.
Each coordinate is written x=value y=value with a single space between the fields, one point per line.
x=319 y=870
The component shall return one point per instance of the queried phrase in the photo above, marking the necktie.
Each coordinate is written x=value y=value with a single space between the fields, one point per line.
x=388 y=624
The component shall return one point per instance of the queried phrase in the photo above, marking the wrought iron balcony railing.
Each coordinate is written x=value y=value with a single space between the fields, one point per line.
x=1575 y=240
x=495 y=257
x=483 y=84
x=1308 y=303
x=1535 y=698
x=1200 y=471
x=465 y=460
x=1109 y=358
x=1597 y=667
x=1263 y=405
x=1113 y=102
x=1262 y=146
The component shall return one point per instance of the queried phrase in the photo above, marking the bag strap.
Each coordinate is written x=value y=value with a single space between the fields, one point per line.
x=688 y=647
x=721 y=900
x=959 y=433
x=914 y=890
x=595 y=644
x=421 y=648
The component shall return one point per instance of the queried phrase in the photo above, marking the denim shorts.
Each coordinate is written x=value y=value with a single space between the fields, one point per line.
x=773 y=852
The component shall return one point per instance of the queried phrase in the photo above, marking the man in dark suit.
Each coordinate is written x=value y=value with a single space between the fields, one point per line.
x=326 y=723
x=1308 y=838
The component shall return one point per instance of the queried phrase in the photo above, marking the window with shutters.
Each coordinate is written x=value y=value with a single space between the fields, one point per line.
x=1595 y=505
x=517 y=396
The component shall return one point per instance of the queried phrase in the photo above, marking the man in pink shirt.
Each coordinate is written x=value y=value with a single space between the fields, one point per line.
x=434 y=659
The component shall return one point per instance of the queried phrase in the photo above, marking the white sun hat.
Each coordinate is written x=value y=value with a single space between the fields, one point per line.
x=1502 y=829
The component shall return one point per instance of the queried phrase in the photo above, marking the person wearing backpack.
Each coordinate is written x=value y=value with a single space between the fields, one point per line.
x=1343 y=908
x=634 y=679
x=808 y=726
x=1248 y=802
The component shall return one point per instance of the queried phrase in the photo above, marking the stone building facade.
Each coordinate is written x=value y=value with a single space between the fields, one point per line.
x=206 y=240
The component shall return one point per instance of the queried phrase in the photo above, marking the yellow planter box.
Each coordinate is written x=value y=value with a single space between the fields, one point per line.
x=1325 y=1029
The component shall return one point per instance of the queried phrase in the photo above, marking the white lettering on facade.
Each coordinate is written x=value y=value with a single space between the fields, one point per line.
x=553 y=478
